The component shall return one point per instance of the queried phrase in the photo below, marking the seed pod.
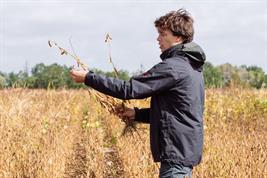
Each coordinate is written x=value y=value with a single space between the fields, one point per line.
x=63 y=51
x=49 y=43
x=108 y=38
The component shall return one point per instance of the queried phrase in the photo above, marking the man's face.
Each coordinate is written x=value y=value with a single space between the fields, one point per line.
x=166 y=39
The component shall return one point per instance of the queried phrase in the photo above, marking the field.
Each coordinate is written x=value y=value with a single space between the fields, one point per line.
x=65 y=133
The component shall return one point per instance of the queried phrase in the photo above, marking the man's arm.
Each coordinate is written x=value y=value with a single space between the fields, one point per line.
x=142 y=115
x=159 y=78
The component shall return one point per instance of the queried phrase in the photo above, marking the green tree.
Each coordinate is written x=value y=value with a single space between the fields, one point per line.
x=12 y=79
x=52 y=76
x=265 y=81
x=212 y=76
x=122 y=74
x=2 y=80
x=38 y=78
x=256 y=76
x=226 y=71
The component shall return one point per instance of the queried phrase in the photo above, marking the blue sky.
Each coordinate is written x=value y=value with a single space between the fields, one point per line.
x=228 y=31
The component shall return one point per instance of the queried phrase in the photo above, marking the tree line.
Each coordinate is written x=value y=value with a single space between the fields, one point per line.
x=57 y=76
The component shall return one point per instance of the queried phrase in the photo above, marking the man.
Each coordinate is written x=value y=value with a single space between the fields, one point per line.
x=176 y=88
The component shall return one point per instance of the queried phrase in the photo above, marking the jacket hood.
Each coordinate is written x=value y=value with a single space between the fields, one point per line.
x=192 y=51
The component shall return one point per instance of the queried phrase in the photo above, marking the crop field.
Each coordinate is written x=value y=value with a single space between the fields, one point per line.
x=66 y=133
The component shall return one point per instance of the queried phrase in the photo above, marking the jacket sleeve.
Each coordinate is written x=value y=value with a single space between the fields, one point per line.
x=157 y=79
x=142 y=115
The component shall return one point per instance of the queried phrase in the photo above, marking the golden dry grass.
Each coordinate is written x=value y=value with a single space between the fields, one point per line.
x=67 y=134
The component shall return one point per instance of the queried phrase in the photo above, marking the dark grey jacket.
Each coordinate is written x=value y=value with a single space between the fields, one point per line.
x=176 y=87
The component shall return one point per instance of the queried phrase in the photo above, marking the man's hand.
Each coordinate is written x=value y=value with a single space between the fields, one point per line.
x=125 y=112
x=78 y=75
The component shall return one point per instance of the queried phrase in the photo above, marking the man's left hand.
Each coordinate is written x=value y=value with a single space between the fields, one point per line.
x=78 y=75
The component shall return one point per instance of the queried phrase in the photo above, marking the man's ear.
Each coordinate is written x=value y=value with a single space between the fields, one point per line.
x=179 y=39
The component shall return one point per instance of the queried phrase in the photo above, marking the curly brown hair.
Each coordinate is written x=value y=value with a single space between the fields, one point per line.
x=179 y=22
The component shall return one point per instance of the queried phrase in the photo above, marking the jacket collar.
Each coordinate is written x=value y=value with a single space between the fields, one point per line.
x=172 y=51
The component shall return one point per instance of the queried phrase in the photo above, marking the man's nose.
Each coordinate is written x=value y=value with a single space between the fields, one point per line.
x=158 y=39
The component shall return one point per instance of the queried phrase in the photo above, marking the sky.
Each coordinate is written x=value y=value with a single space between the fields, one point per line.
x=229 y=32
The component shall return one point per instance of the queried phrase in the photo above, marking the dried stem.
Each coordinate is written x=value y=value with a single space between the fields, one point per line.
x=130 y=125
x=64 y=51
x=108 y=40
x=107 y=102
